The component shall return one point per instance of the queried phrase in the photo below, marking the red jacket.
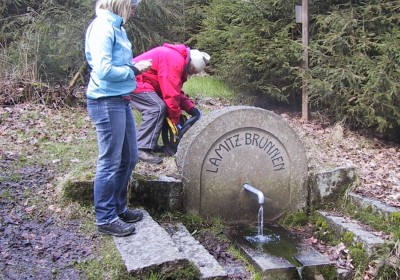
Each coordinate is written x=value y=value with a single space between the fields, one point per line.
x=166 y=77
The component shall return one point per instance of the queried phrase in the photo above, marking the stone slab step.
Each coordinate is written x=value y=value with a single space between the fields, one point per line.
x=149 y=248
x=153 y=248
x=340 y=224
x=196 y=253
x=376 y=205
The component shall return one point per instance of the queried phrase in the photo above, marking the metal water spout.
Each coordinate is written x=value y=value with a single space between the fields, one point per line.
x=256 y=192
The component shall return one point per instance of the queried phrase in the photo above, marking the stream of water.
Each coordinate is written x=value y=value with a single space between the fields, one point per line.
x=272 y=239
x=260 y=229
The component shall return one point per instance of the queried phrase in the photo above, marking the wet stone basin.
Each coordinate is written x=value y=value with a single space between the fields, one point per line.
x=277 y=253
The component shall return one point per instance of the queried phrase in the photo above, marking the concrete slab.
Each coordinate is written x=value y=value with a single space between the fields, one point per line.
x=157 y=195
x=313 y=262
x=310 y=262
x=149 y=248
x=308 y=256
x=376 y=205
x=270 y=266
x=341 y=224
x=196 y=253
x=330 y=184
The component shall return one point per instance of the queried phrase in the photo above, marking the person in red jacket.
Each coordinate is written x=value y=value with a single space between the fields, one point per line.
x=159 y=92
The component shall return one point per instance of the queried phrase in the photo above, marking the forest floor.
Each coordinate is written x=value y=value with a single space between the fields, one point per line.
x=43 y=238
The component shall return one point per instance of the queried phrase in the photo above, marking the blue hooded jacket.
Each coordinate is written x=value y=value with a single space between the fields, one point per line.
x=108 y=52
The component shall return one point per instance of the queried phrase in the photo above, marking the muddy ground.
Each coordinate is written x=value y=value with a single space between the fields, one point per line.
x=35 y=243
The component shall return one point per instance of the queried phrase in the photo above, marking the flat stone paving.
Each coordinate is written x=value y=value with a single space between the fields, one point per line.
x=196 y=253
x=342 y=224
x=377 y=206
x=266 y=262
x=150 y=247
x=154 y=248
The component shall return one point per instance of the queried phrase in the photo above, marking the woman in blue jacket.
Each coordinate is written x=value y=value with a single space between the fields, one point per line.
x=109 y=54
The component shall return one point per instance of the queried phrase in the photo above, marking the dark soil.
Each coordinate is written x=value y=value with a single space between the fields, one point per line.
x=36 y=244
x=234 y=267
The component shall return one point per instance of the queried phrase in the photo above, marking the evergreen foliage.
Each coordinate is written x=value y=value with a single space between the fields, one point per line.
x=355 y=64
x=254 y=45
x=43 y=41
x=194 y=12
x=153 y=24
x=14 y=15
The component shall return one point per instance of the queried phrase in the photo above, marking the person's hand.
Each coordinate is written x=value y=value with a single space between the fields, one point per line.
x=196 y=115
x=142 y=66
x=195 y=112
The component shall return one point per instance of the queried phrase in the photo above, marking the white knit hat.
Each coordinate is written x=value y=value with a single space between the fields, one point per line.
x=199 y=59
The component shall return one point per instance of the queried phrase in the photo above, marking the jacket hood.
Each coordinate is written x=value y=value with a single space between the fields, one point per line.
x=182 y=49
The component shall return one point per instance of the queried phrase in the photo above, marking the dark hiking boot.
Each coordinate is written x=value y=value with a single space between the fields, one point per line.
x=158 y=149
x=117 y=228
x=147 y=156
x=131 y=216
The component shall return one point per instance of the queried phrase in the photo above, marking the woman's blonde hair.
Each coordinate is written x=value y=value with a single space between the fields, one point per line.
x=122 y=8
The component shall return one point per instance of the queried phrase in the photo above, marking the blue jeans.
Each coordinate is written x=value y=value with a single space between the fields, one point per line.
x=118 y=154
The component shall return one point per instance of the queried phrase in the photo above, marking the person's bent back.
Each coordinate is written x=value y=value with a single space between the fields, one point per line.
x=159 y=94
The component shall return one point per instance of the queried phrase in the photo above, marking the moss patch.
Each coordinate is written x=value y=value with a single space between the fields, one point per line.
x=78 y=184
x=360 y=258
x=389 y=224
x=326 y=272
x=323 y=230
x=79 y=191
x=168 y=271
x=294 y=219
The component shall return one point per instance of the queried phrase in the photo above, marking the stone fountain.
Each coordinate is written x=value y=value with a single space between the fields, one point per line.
x=247 y=146
x=242 y=145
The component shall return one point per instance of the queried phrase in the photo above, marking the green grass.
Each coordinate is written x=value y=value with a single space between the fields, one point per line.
x=205 y=88
x=202 y=87
x=238 y=254
x=5 y=194
x=108 y=266
x=389 y=224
